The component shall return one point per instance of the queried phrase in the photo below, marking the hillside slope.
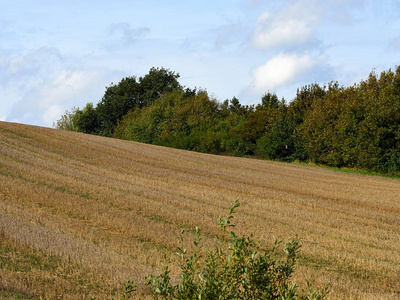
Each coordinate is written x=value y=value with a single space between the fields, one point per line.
x=80 y=213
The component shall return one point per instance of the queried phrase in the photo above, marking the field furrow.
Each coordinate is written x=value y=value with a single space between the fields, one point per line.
x=79 y=214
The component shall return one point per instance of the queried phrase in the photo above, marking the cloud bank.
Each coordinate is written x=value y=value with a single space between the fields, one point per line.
x=40 y=86
x=283 y=29
x=287 y=37
x=54 y=56
x=280 y=70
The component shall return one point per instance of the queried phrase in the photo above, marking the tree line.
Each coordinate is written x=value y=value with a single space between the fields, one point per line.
x=355 y=127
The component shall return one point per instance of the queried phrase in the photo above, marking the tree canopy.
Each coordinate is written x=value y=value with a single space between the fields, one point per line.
x=119 y=99
x=356 y=126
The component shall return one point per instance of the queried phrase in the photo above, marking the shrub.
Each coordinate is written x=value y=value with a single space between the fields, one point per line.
x=236 y=269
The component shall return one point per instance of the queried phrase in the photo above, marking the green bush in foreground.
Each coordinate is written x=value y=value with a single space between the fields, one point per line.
x=236 y=269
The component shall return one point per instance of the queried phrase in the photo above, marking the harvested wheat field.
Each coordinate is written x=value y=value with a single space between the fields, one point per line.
x=80 y=214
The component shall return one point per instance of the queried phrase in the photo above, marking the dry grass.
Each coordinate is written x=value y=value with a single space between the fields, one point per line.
x=79 y=214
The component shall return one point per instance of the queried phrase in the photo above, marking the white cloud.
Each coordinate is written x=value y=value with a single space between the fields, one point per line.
x=96 y=45
x=37 y=86
x=46 y=103
x=293 y=25
x=281 y=69
x=28 y=69
x=20 y=73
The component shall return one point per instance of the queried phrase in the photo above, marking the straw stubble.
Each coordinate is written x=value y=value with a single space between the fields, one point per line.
x=109 y=209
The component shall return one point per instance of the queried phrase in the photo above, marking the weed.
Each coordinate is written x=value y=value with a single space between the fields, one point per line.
x=236 y=269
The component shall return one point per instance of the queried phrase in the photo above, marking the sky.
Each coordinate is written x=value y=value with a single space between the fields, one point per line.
x=60 y=54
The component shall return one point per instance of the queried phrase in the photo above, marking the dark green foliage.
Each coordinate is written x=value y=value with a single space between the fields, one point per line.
x=88 y=120
x=278 y=144
x=157 y=82
x=238 y=268
x=130 y=93
x=269 y=101
x=116 y=102
x=356 y=127
x=177 y=119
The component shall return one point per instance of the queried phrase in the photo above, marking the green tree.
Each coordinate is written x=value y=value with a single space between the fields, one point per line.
x=157 y=82
x=131 y=93
x=357 y=126
x=118 y=99
x=68 y=120
x=277 y=141
x=88 y=121
x=319 y=126
x=378 y=142
x=297 y=111
x=177 y=119
x=268 y=101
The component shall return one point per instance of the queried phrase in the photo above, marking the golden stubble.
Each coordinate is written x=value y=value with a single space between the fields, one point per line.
x=115 y=208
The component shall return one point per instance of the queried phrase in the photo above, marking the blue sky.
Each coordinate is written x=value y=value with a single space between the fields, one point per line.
x=55 y=55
